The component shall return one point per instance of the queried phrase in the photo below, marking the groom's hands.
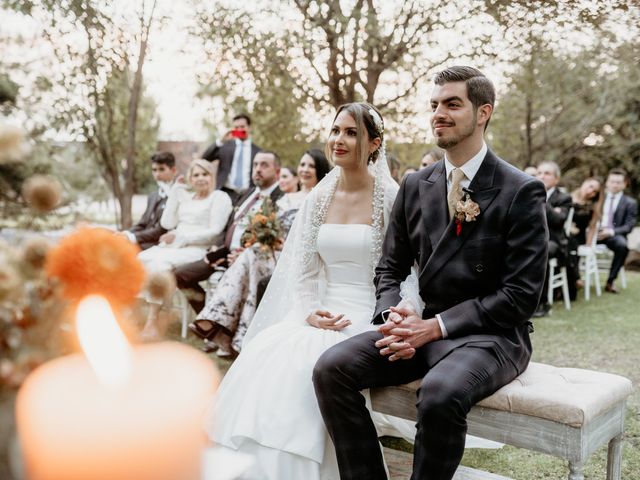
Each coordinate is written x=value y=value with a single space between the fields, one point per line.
x=404 y=332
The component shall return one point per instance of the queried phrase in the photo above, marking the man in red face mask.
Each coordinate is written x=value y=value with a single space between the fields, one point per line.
x=234 y=155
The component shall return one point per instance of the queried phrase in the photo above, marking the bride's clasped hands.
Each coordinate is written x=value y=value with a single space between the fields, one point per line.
x=326 y=320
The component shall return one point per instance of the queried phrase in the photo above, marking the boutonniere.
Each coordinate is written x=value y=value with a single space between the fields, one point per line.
x=466 y=211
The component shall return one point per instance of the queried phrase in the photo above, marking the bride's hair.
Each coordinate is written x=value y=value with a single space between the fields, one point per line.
x=365 y=121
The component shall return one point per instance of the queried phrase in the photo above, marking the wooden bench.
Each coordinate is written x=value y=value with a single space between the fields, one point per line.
x=565 y=412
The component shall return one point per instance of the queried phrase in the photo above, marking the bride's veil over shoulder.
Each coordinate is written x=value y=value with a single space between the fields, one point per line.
x=296 y=284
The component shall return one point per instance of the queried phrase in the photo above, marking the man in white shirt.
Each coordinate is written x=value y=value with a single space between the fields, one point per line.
x=619 y=215
x=234 y=156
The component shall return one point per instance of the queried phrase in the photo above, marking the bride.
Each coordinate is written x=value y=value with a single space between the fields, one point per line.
x=320 y=294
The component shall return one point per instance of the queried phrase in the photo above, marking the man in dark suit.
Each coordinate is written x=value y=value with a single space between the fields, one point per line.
x=476 y=228
x=235 y=158
x=557 y=210
x=619 y=215
x=265 y=173
x=146 y=233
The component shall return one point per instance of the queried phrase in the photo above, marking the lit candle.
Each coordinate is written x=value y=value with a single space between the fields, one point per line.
x=118 y=413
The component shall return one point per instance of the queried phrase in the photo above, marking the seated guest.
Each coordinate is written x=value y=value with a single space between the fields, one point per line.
x=557 y=209
x=531 y=170
x=146 y=233
x=288 y=180
x=230 y=308
x=587 y=207
x=193 y=218
x=265 y=173
x=234 y=157
x=407 y=171
x=619 y=215
x=394 y=166
x=431 y=156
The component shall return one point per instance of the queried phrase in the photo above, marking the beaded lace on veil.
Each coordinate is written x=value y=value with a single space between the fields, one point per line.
x=296 y=284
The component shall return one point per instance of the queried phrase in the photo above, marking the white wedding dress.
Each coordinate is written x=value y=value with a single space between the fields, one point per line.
x=266 y=405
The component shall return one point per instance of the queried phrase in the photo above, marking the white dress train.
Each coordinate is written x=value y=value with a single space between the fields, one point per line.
x=266 y=405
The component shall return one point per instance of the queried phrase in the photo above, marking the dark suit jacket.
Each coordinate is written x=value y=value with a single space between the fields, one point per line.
x=625 y=216
x=224 y=153
x=148 y=230
x=484 y=283
x=557 y=210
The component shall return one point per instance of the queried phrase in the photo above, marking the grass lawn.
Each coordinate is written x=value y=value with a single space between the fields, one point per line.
x=602 y=334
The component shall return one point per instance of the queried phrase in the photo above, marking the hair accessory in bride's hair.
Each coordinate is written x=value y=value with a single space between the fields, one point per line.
x=377 y=120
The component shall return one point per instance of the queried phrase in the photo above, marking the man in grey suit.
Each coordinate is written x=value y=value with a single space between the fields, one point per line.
x=146 y=233
x=475 y=227
x=235 y=158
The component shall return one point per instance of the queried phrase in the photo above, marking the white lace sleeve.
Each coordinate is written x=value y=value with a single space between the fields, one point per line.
x=309 y=292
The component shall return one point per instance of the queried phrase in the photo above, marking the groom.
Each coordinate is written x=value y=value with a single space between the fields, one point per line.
x=476 y=228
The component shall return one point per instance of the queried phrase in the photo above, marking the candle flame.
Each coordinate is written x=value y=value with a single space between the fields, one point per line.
x=102 y=341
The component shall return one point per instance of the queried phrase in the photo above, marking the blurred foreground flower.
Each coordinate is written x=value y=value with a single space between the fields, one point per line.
x=160 y=286
x=42 y=193
x=13 y=145
x=97 y=261
x=34 y=254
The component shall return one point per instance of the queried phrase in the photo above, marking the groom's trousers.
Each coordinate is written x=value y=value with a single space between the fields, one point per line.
x=448 y=391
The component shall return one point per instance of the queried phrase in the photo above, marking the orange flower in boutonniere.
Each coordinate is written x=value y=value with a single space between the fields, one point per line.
x=466 y=211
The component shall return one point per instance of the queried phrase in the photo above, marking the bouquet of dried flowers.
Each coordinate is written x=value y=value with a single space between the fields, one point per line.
x=264 y=228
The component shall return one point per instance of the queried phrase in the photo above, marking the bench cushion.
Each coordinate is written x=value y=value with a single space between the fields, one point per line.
x=571 y=396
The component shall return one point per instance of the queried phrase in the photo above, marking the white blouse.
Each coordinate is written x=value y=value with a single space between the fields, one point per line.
x=195 y=221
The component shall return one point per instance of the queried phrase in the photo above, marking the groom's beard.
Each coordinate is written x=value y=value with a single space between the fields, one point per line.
x=450 y=142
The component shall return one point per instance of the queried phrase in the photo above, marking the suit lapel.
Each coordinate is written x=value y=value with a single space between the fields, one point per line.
x=433 y=194
x=483 y=192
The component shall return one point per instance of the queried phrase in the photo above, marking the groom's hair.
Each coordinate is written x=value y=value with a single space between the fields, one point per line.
x=480 y=89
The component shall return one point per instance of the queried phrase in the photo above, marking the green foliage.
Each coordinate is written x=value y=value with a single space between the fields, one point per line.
x=309 y=57
x=8 y=89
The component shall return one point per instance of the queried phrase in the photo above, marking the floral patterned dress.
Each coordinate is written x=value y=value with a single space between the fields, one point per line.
x=233 y=302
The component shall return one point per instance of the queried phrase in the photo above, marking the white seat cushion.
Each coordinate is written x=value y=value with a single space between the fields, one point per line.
x=571 y=396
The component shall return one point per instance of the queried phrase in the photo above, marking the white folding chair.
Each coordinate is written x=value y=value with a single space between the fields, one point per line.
x=181 y=302
x=589 y=265
x=558 y=280
x=604 y=258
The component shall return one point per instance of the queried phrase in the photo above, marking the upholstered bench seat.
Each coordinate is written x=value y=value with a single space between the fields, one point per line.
x=566 y=412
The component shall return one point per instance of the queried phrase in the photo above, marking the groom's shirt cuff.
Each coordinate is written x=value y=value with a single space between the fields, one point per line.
x=441 y=323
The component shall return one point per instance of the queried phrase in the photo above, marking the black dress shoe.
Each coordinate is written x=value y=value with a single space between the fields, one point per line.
x=542 y=310
x=610 y=288
x=205 y=329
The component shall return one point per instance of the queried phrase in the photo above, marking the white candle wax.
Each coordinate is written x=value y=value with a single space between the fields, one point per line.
x=72 y=427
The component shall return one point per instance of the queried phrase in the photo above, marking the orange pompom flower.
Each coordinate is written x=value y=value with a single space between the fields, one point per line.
x=96 y=261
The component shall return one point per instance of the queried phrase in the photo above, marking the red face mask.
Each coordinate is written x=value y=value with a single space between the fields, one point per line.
x=239 y=134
